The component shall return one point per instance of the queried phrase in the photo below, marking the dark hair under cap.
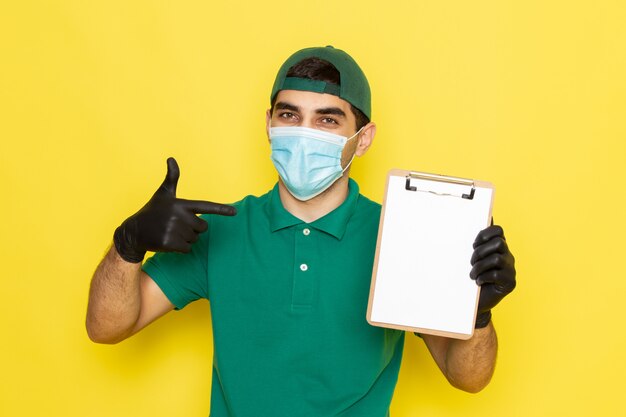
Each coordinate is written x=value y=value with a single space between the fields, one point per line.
x=353 y=86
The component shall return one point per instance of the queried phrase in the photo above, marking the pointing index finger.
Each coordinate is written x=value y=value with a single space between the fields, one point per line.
x=208 y=207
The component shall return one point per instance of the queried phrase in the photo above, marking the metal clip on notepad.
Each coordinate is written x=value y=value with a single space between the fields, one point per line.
x=440 y=178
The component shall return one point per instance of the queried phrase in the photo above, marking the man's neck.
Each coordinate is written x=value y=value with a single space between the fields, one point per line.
x=317 y=207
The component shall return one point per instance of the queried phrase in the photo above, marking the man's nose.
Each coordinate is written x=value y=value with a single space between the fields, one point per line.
x=307 y=122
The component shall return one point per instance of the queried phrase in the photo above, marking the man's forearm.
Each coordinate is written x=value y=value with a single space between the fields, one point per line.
x=470 y=363
x=114 y=299
x=467 y=364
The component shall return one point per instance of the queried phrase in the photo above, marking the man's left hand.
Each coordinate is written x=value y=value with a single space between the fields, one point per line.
x=493 y=268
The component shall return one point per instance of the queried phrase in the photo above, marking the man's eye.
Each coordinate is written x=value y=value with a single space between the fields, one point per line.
x=287 y=115
x=329 y=120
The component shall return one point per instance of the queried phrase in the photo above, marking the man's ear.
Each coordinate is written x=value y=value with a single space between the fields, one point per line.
x=268 y=120
x=366 y=137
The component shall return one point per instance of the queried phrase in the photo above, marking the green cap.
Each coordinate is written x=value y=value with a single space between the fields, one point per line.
x=353 y=87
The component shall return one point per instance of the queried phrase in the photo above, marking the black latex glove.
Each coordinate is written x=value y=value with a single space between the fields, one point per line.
x=493 y=268
x=165 y=223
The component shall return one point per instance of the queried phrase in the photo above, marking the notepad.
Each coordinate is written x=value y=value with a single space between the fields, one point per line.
x=420 y=280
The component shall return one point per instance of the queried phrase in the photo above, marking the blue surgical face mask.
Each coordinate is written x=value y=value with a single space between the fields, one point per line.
x=307 y=160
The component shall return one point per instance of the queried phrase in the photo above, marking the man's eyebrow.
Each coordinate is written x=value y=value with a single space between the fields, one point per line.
x=281 y=105
x=331 y=110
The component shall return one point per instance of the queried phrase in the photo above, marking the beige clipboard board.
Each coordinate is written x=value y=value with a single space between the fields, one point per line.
x=420 y=279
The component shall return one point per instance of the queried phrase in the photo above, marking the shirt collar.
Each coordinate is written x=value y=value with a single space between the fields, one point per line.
x=334 y=223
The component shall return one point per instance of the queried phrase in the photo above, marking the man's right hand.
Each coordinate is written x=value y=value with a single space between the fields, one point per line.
x=165 y=223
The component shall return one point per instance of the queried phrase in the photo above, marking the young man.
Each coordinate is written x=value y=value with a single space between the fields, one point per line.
x=288 y=273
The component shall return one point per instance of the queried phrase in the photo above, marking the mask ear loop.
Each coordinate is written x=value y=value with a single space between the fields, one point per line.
x=354 y=154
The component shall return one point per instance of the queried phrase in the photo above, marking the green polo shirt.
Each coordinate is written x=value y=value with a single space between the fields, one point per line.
x=288 y=303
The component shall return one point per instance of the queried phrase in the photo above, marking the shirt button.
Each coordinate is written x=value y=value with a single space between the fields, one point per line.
x=306 y=232
x=304 y=267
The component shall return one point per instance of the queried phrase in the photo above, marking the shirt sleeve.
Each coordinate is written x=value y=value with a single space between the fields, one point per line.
x=182 y=276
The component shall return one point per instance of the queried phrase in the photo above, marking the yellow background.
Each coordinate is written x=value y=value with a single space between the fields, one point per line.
x=530 y=95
